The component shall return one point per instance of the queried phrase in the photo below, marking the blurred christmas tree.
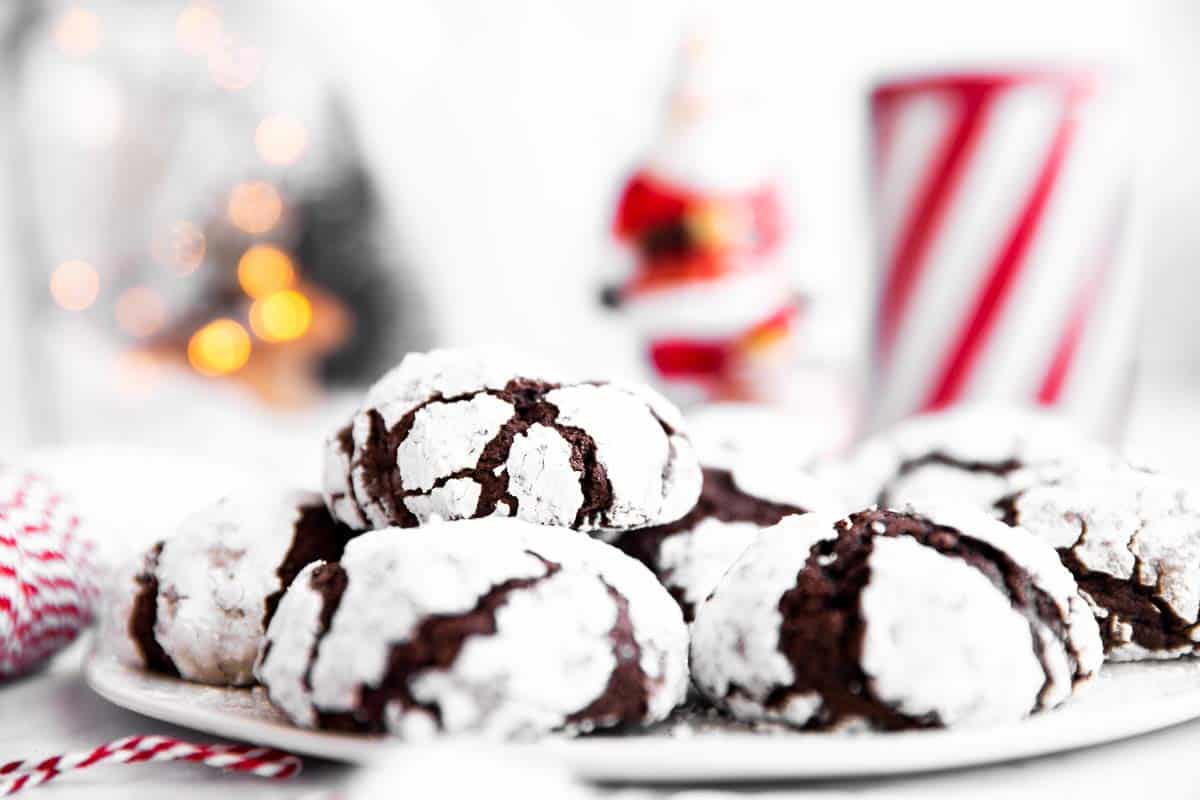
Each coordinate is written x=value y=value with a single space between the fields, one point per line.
x=196 y=196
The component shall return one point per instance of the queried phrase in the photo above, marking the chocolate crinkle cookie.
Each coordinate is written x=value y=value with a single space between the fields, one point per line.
x=889 y=620
x=458 y=434
x=494 y=627
x=974 y=455
x=196 y=605
x=1132 y=540
x=691 y=554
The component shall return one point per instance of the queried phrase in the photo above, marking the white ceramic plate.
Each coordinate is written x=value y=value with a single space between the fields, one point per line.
x=1127 y=699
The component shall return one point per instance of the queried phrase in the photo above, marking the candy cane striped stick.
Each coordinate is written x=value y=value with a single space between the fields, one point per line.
x=16 y=776
x=1004 y=271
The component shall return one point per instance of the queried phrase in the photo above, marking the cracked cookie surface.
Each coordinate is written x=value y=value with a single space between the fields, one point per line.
x=691 y=554
x=491 y=626
x=460 y=434
x=970 y=455
x=890 y=621
x=1132 y=540
x=197 y=604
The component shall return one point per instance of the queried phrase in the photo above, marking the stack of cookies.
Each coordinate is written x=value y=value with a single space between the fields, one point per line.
x=502 y=549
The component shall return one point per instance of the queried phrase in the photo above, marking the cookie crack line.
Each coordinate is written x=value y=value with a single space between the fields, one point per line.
x=434 y=644
x=720 y=499
x=144 y=616
x=1018 y=585
x=626 y=697
x=316 y=536
x=822 y=638
x=376 y=460
x=1154 y=625
x=824 y=629
x=330 y=582
x=999 y=468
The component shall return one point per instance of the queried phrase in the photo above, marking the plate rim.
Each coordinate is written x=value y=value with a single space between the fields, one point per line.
x=722 y=756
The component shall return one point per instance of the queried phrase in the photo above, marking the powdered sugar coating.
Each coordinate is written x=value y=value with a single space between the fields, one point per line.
x=337 y=480
x=690 y=555
x=736 y=660
x=447 y=373
x=779 y=484
x=1047 y=573
x=946 y=638
x=593 y=456
x=550 y=654
x=448 y=437
x=654 y=478
x=940 y=639
x=541 y=477
x=213 y=580
x=117 y=607
x=692 y=562
x=972 y=455
x=1132 y=538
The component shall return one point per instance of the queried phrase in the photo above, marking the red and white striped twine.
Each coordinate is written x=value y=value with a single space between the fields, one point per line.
x=16 y=776
x=48 y=581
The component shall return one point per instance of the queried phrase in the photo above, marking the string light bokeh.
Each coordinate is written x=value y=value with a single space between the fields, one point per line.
x=264 y=269
x=219 y=348
x=255 y=206
x=281 y=316
x=75 y=285
x=77 y=32
x=205 y=285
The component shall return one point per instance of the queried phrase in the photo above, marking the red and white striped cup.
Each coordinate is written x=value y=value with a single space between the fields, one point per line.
x=1002 y=232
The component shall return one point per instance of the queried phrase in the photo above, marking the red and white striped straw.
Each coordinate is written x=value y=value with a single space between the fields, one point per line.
x=17 y=776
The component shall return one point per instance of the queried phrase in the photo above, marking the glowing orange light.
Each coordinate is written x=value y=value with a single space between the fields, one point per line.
x=77 y=32
x=198 y=28
x=255 y=207
x=281 y=317
x=264 y=269
x=74 y=285
x=233 y=66
x=141 y=312
x=280 y=140
x=219 y=348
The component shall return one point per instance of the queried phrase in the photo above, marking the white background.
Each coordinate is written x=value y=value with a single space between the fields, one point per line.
x=499 y=133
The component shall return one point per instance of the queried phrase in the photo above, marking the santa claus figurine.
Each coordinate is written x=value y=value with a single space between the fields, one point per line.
x=703 y=234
